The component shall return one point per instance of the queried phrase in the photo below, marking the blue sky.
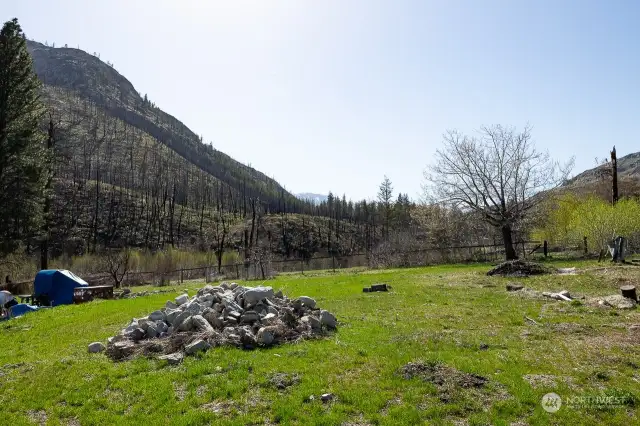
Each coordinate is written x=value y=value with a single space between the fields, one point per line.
x=334 y=94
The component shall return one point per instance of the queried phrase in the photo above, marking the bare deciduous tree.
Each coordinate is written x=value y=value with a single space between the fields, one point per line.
x=496 y=174
x=117 y=264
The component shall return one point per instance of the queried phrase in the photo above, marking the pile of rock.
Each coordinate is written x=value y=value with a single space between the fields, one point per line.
x=520 y=268
x=227 y=314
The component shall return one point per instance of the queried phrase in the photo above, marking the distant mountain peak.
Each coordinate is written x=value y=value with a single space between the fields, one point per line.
x=311 y=197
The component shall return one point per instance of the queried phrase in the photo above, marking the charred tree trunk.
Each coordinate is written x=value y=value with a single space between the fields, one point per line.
x=614 y=174
x=509 y=251
x=44 y=244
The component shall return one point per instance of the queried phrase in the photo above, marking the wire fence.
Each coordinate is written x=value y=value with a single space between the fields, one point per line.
x=267 y=267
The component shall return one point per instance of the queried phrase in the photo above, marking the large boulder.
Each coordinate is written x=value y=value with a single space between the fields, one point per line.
x=253 y=295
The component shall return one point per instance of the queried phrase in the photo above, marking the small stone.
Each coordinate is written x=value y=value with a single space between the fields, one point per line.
x=180 y=318
x=328 y=319
x=484 y=346
x=170 y=305
x=326 y=397
x=269 y=318
x=186 y=325
x=182 y=299
x=248 y=340
x=307 y=301
x=172 y=359
x=234 y=314
x=278 y=294
x=312 y=321
x=96 y=347
x=136 y=334
x=152 y=331
x=565 y=293
x=249 y=317
x=514 y=287
x=156 y=315
x=233 y=286
x=265 y=337
x=196 y=346
x=230 y=321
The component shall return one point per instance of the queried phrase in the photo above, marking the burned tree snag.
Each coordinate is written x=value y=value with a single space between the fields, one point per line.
x=614 y=174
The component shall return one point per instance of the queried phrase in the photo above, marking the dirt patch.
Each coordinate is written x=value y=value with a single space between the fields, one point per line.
x=37 y=416
x=546 y=381
x=520 y=268
x=180 y=391
x=442 y=375
x=283 y=381
x=219 y=407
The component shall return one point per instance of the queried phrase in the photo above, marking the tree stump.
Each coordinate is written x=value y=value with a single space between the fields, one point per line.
x=629 y=291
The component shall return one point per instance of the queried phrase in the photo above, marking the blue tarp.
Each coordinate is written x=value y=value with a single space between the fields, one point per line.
x=21 y=309
x=57 y=285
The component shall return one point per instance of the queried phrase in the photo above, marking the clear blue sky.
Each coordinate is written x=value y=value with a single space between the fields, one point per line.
x=334 y=94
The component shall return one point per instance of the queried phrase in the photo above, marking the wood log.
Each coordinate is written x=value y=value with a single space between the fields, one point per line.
x=629 y=291
x=379 y=287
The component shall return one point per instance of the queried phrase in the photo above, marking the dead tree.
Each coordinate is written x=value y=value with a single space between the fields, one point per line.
x=614 y=174
x=495 y=174
x=117 y=264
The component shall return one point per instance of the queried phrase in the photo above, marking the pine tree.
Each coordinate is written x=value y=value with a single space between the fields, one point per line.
x=385 y=195
x=22 y=152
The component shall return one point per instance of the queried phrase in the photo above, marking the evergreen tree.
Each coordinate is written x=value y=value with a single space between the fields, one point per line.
x=385 y=197
x=22 y=152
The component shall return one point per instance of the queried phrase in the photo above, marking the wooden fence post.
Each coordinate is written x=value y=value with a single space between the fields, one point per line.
x=333 y=261
x=181 y=276
x=237 y=272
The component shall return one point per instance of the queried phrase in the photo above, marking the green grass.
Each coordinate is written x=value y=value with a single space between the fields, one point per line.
x=435 y=314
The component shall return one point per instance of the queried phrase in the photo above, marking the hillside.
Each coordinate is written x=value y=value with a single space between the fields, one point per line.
x=90 y=79
x=598 y=179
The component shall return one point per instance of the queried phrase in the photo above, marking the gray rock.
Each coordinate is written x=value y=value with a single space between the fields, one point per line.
x=326 y=397
x=230 y=321
x=209 y=297
x=180 y=318
x=201 y=324
x=234 y=314
x=156 y=316
x=161 y=326
x=265 y=337
x=195 y=308
x=253 y=295
x=565 y=293
x=116 y=338
x=278 y=295
x=196 y=346
x=171 y=315
x=186 y=325
x=307 y=301
x=249 y=317
x=233 y=286
x=312 y=321
x=248 y=340
x=136 y=334
x=328 y=319
x=231 y=305
x=152 y=331
x=269 y=319
x=172 y=359
x=218 y=307
x=207 y=289
x=273 y=310
x=514 y=287
x=182 y=299
x=96 y=347
x=170 y=305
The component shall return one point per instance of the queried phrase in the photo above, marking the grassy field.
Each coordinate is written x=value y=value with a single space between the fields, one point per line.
x=453 y=322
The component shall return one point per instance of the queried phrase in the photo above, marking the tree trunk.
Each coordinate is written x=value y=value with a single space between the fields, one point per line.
x=509 y=251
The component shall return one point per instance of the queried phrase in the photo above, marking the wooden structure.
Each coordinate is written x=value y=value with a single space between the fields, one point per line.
x=87 y=294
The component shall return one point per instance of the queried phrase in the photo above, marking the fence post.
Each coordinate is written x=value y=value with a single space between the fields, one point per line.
x=302 y=266
x=237 y=272
x=333 y=261
x=546 y=248
x=181 y=276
